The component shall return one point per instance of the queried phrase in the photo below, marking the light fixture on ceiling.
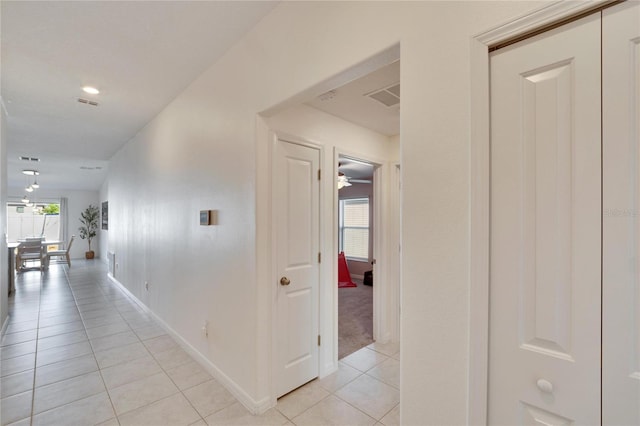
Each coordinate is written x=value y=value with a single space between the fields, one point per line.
x=90 y=90
x=30 y=172
x=29 y=188
x=25 y=199
x=35 y=184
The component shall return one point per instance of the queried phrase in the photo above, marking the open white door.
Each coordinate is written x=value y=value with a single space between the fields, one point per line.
x=545 y=283
x=297 y=234
x=621 y=219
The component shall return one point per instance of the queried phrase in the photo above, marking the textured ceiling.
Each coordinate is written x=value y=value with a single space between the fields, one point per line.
x=350 y=101
x=139 y=54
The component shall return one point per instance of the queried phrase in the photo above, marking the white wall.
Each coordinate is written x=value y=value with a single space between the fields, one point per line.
x=77 y=202
x=201 y=153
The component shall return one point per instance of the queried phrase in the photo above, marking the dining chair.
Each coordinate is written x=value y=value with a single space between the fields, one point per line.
x=29 y=251
x=64 y=254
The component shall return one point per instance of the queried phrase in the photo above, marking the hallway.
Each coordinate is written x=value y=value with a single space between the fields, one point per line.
x=78 y=351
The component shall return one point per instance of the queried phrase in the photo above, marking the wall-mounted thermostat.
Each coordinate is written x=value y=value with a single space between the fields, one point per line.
x=208 y=217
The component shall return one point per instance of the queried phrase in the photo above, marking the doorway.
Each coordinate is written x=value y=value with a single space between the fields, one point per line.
x=313 y=122
x=297 y=243
x=356 y=261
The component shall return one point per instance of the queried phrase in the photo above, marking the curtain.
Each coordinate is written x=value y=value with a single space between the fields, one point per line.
x=64 y=219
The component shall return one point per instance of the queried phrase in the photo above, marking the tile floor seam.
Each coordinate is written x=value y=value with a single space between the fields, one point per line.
x=33 y=414
x=353 y=406
x=161 y=368
x=126 y=310
x=142 y=406
x=35 y=358
x=106 y=390
x=191 y=403
x=307 y=409
x=173 y=381
x=385 y=414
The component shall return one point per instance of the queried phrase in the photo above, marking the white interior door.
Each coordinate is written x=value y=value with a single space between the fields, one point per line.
x=545 y=283
x=297 y=210
x=621 y=219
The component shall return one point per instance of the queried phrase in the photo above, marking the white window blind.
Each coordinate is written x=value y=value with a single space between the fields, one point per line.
x=354 y=228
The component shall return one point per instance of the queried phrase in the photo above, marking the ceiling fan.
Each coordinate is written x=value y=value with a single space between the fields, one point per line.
x=344 y=180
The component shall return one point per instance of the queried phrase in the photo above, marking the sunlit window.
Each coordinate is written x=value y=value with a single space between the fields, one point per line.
x=354 y=228
x=41 y=219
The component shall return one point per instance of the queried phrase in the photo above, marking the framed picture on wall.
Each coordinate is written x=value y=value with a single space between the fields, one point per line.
x=105 y=215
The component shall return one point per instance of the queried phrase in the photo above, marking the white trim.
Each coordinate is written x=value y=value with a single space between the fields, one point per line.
x=382 y=289
x=323 y=364
x=264 y=267
x=479 y=192
x=255 y=407
x=546 y=15
x=479 y=236
x=381 y=302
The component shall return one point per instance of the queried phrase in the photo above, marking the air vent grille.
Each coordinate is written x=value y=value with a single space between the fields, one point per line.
x=90 y=168
x=328 y=95
x=388 y=96
x=87 y=102
x=25 y=158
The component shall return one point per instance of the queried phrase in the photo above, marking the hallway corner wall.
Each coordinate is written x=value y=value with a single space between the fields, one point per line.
x=200 y=153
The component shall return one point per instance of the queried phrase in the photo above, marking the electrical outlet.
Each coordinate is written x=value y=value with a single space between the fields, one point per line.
x=146 y=285
x=205 y=329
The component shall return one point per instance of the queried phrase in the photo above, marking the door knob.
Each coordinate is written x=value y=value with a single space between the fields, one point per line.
x=545 y=385
x=284 y=281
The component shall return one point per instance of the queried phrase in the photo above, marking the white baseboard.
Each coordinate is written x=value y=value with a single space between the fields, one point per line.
x=255 y=407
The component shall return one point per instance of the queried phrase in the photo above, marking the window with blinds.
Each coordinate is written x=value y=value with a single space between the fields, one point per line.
x=354 y=228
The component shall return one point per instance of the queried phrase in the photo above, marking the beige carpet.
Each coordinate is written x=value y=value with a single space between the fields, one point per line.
x=355 y=318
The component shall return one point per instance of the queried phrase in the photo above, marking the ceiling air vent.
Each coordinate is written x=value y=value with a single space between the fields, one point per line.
x=328 y=95
x=87 y=101
x=25 y=158
x=388 y=96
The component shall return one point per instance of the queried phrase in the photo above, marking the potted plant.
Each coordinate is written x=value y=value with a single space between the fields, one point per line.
x=89 y=228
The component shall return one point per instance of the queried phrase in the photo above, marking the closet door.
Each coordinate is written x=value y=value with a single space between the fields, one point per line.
x=545 y=282
x=621 y=218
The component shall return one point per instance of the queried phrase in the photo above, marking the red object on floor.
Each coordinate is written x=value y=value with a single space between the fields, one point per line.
x=344 y=277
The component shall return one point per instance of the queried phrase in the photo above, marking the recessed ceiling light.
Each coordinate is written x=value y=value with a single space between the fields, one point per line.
x=90 y=90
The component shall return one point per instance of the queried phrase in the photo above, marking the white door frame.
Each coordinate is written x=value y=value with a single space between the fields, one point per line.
x=273 y=288
x=383 y=323
x=266 y=271
x=479 y=188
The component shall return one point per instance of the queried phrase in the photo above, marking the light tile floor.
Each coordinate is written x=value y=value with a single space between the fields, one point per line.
x=77 y=351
